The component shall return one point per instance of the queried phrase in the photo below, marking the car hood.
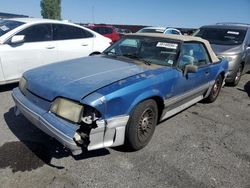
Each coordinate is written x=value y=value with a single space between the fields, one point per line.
x=77 y=78
x=226 y=49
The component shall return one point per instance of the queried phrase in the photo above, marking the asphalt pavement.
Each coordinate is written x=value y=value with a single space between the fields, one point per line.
x=207 y=145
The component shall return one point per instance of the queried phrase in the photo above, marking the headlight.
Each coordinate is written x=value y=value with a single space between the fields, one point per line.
x=67 y=109
x=229 y=57
x=23 y=84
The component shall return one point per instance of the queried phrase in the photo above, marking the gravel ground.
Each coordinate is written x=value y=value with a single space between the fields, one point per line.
x=207 y=145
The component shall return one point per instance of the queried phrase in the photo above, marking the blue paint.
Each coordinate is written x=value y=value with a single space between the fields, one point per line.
x=114 y=87
x=77 y=78
x=121 y=97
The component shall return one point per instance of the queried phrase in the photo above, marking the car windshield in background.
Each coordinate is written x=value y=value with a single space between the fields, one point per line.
x=151 y=31
x=119 y=30
x=147 y=50
x=8 y=25
x=103 y=30
x=222 y=36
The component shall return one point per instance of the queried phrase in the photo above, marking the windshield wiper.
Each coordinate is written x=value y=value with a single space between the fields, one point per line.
x=133 y=56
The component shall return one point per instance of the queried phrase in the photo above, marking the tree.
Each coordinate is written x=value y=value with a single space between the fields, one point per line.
x=51 y=9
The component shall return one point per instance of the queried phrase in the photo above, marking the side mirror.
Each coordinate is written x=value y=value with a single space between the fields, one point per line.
x=16 y=39
x=190 y=69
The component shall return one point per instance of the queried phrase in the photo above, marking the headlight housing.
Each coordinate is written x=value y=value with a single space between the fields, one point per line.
x=23 y=85
x=67 y=109
x=229 y=57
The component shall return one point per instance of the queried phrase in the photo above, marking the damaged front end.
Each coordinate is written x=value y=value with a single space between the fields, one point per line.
x=102 y=133
x=94 y=131
x=78 y=127
x=88 y=121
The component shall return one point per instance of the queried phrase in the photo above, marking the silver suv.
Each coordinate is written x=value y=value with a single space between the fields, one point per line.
x=232 y=42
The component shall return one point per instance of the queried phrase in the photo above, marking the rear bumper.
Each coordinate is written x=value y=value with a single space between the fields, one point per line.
x=57 y=128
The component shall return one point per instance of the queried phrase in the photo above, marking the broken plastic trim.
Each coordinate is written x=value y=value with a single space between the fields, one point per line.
x=88 y=122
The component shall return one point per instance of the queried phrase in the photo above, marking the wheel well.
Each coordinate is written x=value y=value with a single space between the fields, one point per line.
x=222 y=75
x=243 y=64
x=160 y=104
x=94 y=53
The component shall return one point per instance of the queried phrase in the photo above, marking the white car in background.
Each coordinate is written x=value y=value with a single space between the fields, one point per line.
x=152 y=30
x=172 y=31
x=168 y=30
x=26 y=43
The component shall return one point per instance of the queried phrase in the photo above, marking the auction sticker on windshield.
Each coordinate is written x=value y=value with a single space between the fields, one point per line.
x=167 y=45
x=4 y=28
x=233 y=32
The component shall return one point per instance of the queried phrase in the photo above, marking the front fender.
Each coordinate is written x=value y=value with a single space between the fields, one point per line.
x=122 y=96
x=97 y=101
x=144 y=96
x=122 y=101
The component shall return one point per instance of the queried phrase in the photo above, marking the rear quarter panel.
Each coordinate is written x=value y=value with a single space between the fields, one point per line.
x=220 y=67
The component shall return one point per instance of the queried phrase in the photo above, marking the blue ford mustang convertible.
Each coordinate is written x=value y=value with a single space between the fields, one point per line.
x=119 y=96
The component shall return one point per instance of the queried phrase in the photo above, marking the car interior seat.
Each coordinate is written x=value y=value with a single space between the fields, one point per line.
x=147 y=50
x=186 y=58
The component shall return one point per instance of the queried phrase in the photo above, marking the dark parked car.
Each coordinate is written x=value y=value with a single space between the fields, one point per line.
x=123 y=31
x=119 y=96
x=232 y=42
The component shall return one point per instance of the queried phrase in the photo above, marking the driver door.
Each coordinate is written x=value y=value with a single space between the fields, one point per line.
x=192 y=86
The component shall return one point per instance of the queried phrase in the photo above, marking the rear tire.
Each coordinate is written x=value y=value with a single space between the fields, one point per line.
x=215 y=90
x=141 y=125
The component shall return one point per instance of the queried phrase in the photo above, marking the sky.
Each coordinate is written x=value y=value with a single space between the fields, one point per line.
x=168 y=13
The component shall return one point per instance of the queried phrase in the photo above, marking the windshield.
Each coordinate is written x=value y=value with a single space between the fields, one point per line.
x=148 y=50
x=222 y=36
x=8 y=25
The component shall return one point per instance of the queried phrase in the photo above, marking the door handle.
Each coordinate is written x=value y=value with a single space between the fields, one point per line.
x=50 y=47
x=85 y=44
x=206 y=73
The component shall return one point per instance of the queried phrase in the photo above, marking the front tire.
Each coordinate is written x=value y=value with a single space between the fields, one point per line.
x=141 y=125
x=237 y=76
x=215 y=90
